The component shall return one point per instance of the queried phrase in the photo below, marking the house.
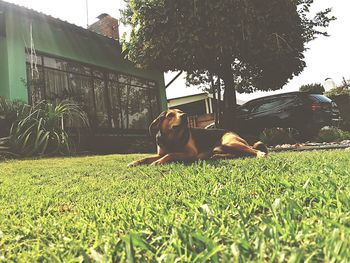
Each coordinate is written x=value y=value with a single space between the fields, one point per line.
x=199 y=106
x=45 y=58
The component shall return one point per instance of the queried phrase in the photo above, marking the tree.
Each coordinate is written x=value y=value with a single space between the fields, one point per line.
x=248 y=44
x=341 y=90
x=315 y=88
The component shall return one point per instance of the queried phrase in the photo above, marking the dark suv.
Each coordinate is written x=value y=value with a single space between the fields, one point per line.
x=306 y=112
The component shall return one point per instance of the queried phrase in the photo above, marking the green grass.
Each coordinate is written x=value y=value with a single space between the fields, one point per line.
x=292 y=207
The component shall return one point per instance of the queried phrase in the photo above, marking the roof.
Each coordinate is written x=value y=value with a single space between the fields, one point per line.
x=47 y=18
x=194 y=97
x=188 y=96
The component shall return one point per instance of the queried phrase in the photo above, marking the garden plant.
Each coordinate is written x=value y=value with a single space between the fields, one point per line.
x=40 y=129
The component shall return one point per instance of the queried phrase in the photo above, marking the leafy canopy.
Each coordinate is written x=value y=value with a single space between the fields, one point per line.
x=315 y=88
x=255 y=44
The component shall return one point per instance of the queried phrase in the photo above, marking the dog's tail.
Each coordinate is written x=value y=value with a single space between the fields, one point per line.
x=260 y=146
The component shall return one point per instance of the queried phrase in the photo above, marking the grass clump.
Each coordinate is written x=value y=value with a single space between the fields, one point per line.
x=288 y=207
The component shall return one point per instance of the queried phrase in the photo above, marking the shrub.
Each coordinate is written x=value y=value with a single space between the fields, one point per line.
x=315 y=88
x=343 y=89
x=42 y=129
x=8 y=114
x=332 y=134
x=341 y=95
x=275 y=136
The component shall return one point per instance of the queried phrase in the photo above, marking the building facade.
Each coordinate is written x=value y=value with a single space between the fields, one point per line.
x=44 y=58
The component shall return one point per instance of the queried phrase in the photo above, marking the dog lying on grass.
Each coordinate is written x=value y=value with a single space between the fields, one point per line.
x=177 y=142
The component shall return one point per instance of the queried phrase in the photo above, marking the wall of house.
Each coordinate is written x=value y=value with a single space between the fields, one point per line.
x=16 y=58
x=52 y=38
x=4 y=74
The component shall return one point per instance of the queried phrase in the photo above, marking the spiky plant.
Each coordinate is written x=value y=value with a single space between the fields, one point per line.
x=42 y=129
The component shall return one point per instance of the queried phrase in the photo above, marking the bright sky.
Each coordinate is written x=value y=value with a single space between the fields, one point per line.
x=327 y=57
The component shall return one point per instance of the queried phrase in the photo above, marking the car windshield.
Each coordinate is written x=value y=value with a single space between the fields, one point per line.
x=319 y=98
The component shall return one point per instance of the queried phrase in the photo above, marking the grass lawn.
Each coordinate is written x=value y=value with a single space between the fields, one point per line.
x=288 y=207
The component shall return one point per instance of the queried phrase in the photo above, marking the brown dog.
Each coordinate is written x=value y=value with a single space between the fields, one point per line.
x=177 y=142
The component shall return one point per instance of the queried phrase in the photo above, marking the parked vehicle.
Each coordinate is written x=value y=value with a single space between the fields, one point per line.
x=305 y=112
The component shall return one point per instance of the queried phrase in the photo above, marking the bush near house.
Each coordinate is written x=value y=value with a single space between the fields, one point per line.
x=341 y=96
x=314 y=88
x=8 y=115
x=289 y=207
x=278 y=136
x=41 y=129
x=275 y=136
x=332 y=134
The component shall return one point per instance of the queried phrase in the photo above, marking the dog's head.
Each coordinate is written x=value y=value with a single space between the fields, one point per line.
x=170 y=126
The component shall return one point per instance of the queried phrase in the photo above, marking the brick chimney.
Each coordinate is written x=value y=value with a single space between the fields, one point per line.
x=107 y=26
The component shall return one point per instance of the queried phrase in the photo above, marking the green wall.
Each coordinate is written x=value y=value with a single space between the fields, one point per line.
x=4 y=73
x=60 y=40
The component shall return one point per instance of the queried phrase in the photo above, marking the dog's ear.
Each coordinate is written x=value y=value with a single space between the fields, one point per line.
x=155 y=125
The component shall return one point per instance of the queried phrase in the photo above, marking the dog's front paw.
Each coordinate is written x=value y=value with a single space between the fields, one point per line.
x=260 y=154
x=158 y=163
x=133 y=164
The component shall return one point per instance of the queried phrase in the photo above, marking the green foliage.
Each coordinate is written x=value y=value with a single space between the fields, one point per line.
x=315 y=88
x=290 y=207
x=41 y=129
x=250 y=45
x=332 y=134
x=275 y=136
x=316 y=25
x=261 y=45
x=8 y=114
x=278 y=136
x=341 y=95
x=342 y=90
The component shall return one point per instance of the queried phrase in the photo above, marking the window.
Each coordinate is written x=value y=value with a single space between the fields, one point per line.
x=319 y=98
x=271 y=104
x=111 y=99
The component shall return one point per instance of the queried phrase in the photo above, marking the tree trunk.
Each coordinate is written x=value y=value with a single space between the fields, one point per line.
x=230 y=103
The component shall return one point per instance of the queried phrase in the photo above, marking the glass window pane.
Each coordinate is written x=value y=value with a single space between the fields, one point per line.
x=154 y=103
x=56 y=85
x=123 y=78
x=137 y=82
x=124 y=95
x=139 y=108
x=32 y=58
x=98 y=74
x=113 y=76
x=35 y=84
x=101 y=107
x=114 y=99
x=74 y=67
x=55 y=63
x=80 y=91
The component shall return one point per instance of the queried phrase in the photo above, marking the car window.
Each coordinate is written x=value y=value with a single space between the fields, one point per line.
x=319 y=98
x=272 y=103
x=248 y=105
